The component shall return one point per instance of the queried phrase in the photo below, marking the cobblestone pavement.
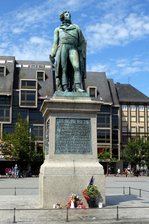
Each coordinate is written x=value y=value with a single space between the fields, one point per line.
x=20 y=204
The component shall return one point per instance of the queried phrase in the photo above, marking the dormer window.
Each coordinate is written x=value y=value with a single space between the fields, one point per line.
x=92 y=90
x=40 y=75
x=28 y=84
x=2 y=71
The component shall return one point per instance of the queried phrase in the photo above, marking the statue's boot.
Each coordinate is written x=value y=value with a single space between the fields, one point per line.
x=78 y=89
x=65 y=88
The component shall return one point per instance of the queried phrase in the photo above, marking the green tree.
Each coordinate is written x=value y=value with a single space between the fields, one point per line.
x=20 y=145
x=146 y=151
x=105 y=156
x=137 y=151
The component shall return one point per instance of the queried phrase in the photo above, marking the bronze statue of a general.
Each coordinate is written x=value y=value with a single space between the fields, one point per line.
x=69 y=49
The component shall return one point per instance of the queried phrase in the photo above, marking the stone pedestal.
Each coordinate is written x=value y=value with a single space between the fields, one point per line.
x=71 y=149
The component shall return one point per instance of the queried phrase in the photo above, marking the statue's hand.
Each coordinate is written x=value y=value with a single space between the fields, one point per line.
x=52 y=59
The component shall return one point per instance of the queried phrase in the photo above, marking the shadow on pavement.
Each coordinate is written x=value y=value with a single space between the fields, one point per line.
x=117 y=199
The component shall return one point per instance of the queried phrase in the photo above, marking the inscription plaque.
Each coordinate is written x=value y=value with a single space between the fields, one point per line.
x=73 y=136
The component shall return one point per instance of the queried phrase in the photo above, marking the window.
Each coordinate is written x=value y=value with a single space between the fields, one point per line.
x=5 y=114
x=124 y=107
x=5 y=101
x=28 y=98
x=40 y=75
x=5 y=106
x=115 y=137
x=38 y=132
x=19 y=112
x=141 y=129
x=132 y=107
x=35 y=117
x=2 y=71
x=141 y=108
x=115 y=110
x=124 y=118
x=103 y=136
x=133 y=129
x=124 y=139
x=92 y=91
x=103 y=120
x=28 y=93
x=147 y=108
x=105 y=109
x=115 y=122
x=28 y=84
x=124 y=129
x=141 y=119
x=133 y=119
x=124 y=123
x=8 y=128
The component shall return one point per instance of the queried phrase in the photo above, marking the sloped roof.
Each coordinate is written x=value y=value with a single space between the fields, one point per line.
x=99 y=80
x=113 y=92
x=6 y=82
x=128 y=93
x=27 y=72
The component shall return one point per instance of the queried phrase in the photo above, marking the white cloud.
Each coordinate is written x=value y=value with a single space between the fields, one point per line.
x=117 y=68
x=38 y=40
x=28 y=52
x=106 y=23
x=27 y=49
x=116 y=31
x=98 y=67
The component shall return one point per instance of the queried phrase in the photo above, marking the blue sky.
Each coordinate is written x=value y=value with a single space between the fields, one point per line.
x=116 y=31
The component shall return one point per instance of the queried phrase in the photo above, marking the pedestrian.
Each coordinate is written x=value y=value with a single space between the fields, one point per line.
x=16 y=171
x=7 y=172
x=118 y=171
x=126 y=172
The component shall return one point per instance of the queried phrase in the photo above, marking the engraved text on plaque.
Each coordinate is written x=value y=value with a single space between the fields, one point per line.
x=73 y=136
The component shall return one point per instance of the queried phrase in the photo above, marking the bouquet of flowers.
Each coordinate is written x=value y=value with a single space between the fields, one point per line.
x=75 y=202
x=92 y=194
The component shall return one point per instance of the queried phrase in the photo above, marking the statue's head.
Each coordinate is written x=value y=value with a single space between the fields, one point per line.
x=65 y=16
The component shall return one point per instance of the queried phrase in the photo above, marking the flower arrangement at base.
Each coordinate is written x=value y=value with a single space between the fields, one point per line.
x=75 y=202
x=92 y=195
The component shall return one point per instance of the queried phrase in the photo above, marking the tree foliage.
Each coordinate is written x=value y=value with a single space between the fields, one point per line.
x=19 y=140
x=137 y=151
x=106 y=156
x=20 y=144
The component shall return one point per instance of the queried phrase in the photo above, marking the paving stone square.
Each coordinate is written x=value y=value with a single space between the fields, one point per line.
x=19 y=203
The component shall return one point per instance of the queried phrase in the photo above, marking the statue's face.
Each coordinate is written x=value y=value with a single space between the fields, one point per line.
x=67 y=16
